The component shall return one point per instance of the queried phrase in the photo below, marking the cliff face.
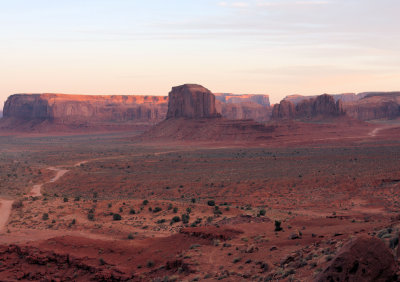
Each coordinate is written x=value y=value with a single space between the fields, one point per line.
x=229 y=98
x=191 y=101
x=246 y=106
x=375 y=105
x=65 y=109
x=320 y=107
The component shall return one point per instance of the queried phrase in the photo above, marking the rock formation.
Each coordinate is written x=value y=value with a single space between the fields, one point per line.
x=245 y=106
x=192 y=116
x=191 y=101
x=260 y=99
x=77 y=109
x=375 y=105
x=323 y=106
x=362 y=259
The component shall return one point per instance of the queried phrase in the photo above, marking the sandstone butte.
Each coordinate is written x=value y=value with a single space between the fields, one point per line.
x=191 y=101
x=44 y=109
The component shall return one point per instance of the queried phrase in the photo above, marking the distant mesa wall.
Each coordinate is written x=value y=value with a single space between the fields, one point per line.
x=363 y=106
x=322 y=106
x=62 y=108
x=244 y=106
x=229 y=98
x=375 y=105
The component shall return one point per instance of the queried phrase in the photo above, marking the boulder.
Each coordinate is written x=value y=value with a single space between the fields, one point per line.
x=361 y=259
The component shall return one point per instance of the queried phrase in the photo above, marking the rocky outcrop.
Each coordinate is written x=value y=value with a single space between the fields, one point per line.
x=362 y=259
x=191 y=101
x=73 y=109
x=260 y=99
x=375 y=105
x=323 y=106
x=244 y=110
x=284 y=110
x=244 y=106
x=192 y=116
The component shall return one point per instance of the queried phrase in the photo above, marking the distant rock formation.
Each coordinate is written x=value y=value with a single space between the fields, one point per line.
x=246 y=106
x=323 y=106
x=1 y=114
x=284 y=110
x=361 y=259
x=79 y=110
x=192 y=116
x=229 y=98
x=191 y=101
x=375 y=105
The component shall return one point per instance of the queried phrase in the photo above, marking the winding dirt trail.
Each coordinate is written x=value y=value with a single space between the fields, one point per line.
x=6 y=204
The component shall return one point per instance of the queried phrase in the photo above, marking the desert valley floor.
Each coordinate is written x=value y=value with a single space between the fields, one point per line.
x=109 y=207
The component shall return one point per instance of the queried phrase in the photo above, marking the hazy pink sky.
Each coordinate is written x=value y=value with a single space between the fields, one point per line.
x=278 y=47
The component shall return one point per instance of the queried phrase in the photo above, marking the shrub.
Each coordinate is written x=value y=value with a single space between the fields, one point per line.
x=65 y=199
x=211 y=203
x=188 y=210
x=145 y=202
x=132 y=211
x=77 y=199
x=175 y=210
x=130 y=236
x=193 y=200
x=278 y=225
x=150 y=263
x=175 y=219
x=90 y=216
x=117 y=216
x=262 y=212
x=185 y=218
x=45 y=216
x=157 y=209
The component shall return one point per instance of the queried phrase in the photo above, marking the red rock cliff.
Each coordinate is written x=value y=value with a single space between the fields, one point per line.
x=191 y=101
x=62 y=108
x=320 y=107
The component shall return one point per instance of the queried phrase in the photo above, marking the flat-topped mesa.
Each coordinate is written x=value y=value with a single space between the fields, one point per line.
x=323 y=106
x=69 y=109
x=191 y=101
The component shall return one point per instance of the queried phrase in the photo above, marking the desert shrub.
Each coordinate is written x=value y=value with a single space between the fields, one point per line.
x=101 y=261
x=160 y=221
x=132 y=211
x=175 y=210
x=193 y=200
x=185 y=218
x=73 y=221
x=175 y=219
x=130 y=236
x=217 y=211
x=45 y=216
x=188 y=210
x=145 y=202
x=17 y=204
x=150 y=263
x=170 y=207
x=262 y=212
x=278 y=225
x=211 y=203
x=121 y=209
x=109 y=205
x=157 y=209
x=236 y=260
x=65 y=199
x=77 y=199
x=90 y=216
x=117 y=216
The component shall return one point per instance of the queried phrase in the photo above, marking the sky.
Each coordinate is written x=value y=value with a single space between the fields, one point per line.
x=275 y=47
